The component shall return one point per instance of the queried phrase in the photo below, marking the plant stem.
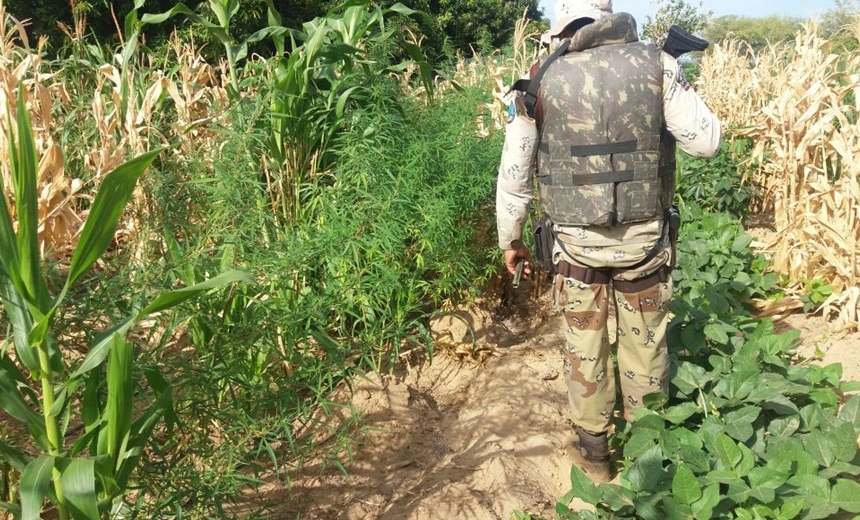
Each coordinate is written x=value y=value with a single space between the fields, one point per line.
x=51 y=426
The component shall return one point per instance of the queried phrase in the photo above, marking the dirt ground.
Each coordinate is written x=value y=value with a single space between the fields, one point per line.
x=460 y=440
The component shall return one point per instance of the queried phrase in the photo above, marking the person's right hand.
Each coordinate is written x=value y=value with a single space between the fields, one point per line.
x=512 y=258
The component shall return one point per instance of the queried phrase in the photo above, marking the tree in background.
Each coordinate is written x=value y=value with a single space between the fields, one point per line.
x=690 y=17
x=452 y=25
x=757 y=32
x=838 y=23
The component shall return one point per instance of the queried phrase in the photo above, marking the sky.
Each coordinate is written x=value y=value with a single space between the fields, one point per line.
x=796 y=8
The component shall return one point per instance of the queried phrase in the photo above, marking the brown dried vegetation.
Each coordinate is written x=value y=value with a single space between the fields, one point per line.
x=798 y=103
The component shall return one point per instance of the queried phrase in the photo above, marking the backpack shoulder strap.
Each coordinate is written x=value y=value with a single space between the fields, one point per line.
x=534 y=85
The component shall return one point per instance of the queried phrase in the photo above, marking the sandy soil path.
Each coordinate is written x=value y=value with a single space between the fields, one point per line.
x=459 y=440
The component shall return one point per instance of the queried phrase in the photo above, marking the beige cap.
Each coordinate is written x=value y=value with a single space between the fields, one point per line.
x=566 y=11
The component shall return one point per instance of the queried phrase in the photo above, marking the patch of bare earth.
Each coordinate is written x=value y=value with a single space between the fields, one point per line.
x=454 y=439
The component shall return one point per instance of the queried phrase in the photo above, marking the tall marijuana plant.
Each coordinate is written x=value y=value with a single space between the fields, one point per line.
x=84 y=476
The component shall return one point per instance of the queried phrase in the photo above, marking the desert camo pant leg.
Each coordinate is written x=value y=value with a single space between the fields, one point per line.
x=588 y=369
x=643 y=358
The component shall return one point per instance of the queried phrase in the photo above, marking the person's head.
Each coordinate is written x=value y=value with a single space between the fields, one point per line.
x=572 y=15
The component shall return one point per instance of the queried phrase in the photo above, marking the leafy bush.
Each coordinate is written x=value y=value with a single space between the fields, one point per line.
x=747 y=432
x=746 y=435
x=715 y=277
x=716 y=184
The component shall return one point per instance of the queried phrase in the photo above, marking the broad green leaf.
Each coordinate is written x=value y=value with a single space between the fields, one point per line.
x=99 y=230
x=826 y=397
x=791 y=507
x=689 y=378
x=846 y=495
x=738 y=491
x=640 y=442
x=79 y=487
x=704 y=507
x=727 y=451
x=675 y=510
x=119 y=399
x=784 y=426
x=34 y=486
x=764 y=482
x=845 y=442
x=850 y=412
x=680 y=413
x=695 y=458
x=647 y=471
x=583 y=487
x=812 y=485
x=850 y=386
x=748 y=461
x=173 y=298
x=717 y=333
x=648 y=506
x=615 y=496
x=813 y=416
x=781 y=405
x=821 y=447
x=685 y=487
x=739 y=424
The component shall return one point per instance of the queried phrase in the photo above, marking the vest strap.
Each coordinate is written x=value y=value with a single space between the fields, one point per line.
x=590 y=150
x=589 y=179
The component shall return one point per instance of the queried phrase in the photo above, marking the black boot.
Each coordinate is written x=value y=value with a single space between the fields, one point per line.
x=591 y=453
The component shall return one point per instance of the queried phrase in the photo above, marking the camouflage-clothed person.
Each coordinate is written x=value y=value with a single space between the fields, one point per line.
x=601 y=147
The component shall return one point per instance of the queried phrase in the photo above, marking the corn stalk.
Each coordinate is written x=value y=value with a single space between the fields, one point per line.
x=798 y=104
x=88 y=479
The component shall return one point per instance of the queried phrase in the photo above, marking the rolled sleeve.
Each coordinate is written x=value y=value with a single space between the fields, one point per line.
x=688 y=118
x=514 y=190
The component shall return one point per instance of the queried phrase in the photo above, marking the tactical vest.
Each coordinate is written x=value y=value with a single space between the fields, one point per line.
x=605 y=157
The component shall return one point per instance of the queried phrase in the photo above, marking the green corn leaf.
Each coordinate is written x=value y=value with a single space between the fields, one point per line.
x=19 y=317
x=13 y=509
x=173 y=298
x=142 y=429
x=274 y=19
x=34 y=486
x=179 y=8
x=24 y=166
x=13 y=456
x=100 y=227
x=101 y=349
x=79 y=487
x=119 y=399
x=12 y=402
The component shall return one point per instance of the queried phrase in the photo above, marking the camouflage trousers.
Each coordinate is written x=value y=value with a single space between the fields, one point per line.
x=643 y=360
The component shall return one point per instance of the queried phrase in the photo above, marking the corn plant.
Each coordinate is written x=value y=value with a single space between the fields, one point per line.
x=86 y=478
x=329 y=72
x=224 y=11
